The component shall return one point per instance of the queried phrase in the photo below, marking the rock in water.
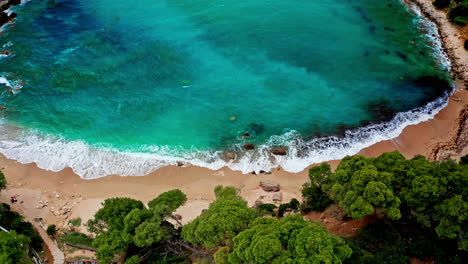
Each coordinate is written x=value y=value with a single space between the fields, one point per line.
x=231 y=155
x=249 y=146
x=269 y=186
x=279 y=151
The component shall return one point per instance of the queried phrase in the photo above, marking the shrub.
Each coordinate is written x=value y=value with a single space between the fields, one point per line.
x=267 y=208
x=75 y=222
x=459 y=14
x=441 y=3
x=77 y=238
x=314 y=199
x=51 y=230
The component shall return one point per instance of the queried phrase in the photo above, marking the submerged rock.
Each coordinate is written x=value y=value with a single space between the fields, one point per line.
x=249 y=146
x=279 y=151
x=231 y=155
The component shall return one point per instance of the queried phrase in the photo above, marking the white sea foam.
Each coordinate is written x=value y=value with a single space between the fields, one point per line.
x=55 y=154
x=90 y=162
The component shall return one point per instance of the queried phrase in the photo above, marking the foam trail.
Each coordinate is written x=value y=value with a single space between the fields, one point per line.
x=91 y=162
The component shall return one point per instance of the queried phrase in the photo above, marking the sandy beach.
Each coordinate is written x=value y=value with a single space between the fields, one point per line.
x=57 y=197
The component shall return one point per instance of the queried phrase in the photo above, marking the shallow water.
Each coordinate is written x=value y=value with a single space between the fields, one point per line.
x=99 y=81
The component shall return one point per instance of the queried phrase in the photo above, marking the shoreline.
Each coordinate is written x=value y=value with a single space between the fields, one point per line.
x=68 y=196
x=90 y=162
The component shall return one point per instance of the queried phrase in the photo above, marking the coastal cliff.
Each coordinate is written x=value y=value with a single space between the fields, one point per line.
x=5 y=16
x=452 y=37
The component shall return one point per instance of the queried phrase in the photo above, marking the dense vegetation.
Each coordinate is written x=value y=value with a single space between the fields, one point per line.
x=419 y=207
x=416 y=209
x=14 y=245
x=458 y=10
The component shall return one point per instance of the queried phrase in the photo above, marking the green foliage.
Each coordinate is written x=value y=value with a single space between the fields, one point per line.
x=361 y=189
x=378 y=242
x=3 y=182
x=114 y=211
x=168 y=201
x=315 y=200
x=108 y=244
x=320 y=175
x=75 y=222
x=77 y=238
x=13 y=247
x=133 y=260
x=267 y=209
x=227 y=192
x=14 y=221
x=431 y=193
x=221 y=255
x=459 y=13
x=294 y=204
x=289 y=240
x=225 y=218
x=464 y=159
x=441 y=4
x=51 y=230
x=124 y=224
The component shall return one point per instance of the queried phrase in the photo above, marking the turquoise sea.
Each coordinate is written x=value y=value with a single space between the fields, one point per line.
x=118 y=87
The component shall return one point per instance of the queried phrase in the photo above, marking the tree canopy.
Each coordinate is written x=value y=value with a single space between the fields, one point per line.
x=434 y=193
x=124 y=224
x=225 y=218
x=361 y=189
x=13 y=247
x=288 y=240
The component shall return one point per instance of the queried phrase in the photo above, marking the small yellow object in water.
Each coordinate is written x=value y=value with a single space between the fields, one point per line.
x=233 y=118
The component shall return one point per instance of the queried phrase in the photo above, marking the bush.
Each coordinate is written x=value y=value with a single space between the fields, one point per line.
x=315 y=200
x=441 y=3
x=75 y=222
x=77 y=238
x=459 y=14
x=51 y=230
x=267 y=208
x=14 y=221
x=2 y=181
x=294 y=204
x=464 y=159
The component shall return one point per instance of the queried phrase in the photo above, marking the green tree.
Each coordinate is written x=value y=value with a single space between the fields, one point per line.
x=288 y=240
x=361 y=189
x=13 y=247
x=3 y=182
x=169 y=201
x=124 y=224
x=113 y=213
x=225 y=218
x=315 y=199
x=51 y=230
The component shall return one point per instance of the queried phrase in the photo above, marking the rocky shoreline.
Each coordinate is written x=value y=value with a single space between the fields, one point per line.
x=6 y=17
x=451 y=36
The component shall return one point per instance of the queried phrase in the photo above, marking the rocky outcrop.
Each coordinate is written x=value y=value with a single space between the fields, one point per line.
x=455 y=146
x=277 y=197
x=279 y=151
x=231 y=155
x=249 y=146
x=269 y=186
x=4 y=5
